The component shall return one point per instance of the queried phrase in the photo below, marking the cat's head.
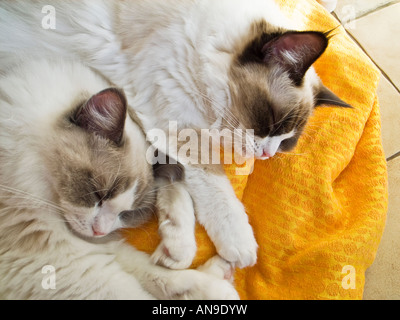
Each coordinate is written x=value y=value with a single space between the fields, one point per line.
x=274 y=88
x=98 y=166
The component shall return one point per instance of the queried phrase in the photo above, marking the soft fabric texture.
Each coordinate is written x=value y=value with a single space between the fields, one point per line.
x=318 y=213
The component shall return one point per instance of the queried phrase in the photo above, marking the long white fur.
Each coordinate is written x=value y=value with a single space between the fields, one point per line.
x=172 y=58
x=32 y=97
x=160 y=76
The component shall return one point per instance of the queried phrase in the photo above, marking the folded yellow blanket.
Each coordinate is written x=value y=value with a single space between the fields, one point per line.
x=318 y=214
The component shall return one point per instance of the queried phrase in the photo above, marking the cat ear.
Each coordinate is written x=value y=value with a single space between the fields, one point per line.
x=295 y=52
x=104 y=114
x=324 y=96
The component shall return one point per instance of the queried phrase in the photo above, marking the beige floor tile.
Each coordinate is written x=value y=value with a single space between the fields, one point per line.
x=353 y=9
x=389 y=100
x=383 y=277
x=378 y=33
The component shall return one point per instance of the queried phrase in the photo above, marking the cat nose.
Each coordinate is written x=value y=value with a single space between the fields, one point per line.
x=98 y=233
x=266 y=154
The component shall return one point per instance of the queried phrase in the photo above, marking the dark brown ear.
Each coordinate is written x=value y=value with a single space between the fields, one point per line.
x=104 y=114
x=324 y=96
x=295 y=52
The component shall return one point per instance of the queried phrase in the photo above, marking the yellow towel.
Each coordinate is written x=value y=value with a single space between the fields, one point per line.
x=318 y=214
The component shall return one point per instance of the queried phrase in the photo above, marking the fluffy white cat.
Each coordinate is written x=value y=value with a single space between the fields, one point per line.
x=67 y=181
x=226 y=64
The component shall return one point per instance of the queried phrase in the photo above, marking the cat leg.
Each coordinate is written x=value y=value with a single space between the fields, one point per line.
x=222 y=214
x=207 y=283
x=176 y=227
x=211 y=281
x=218 y=267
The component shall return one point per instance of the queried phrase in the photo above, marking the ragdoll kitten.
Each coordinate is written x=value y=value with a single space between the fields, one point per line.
x=226 y=64
x=73 y=170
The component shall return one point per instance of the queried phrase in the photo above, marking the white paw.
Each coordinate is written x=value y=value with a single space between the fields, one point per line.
x=218 y=267
x=208 y=282
x=239 y=248
x=176 y=250
x=173 y=257
x=209 y=287
x=201 y=286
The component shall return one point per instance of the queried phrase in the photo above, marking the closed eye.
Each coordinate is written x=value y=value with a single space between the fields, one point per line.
x=100 y=197
x=104 y=194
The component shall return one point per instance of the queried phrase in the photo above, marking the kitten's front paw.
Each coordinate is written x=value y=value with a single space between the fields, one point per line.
x=201 y=286
x=239 y=248
x=176 y=250
x=212 y=281
x=218 y=267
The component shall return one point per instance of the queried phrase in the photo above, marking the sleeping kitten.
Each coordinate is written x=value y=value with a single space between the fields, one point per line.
x=73 y=170
x=226 y=64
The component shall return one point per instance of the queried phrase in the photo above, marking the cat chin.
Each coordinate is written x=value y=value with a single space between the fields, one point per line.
x=92 y=234
x=92 y=238
x=86 y=232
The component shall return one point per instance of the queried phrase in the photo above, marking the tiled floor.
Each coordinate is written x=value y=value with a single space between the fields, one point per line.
x=375 y=25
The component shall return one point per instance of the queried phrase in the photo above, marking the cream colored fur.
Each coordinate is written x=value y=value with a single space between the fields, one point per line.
x=34 y=230
x=173 y=59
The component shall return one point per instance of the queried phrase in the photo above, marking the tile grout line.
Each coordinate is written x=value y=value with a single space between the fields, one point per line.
x=375 y=63
x=378 y=8
x=395 y=156
x=385 y=75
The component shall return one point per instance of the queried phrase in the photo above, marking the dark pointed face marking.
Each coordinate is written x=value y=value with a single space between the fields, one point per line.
x=272 y=91
x=97 y=171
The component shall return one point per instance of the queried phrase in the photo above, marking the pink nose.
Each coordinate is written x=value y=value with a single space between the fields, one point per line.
x=266 y=155
x=97 y=233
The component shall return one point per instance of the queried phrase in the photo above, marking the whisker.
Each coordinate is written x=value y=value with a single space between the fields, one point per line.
x=230 y=119
x=222 y=111
x=293 y=153
x=25 y=195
